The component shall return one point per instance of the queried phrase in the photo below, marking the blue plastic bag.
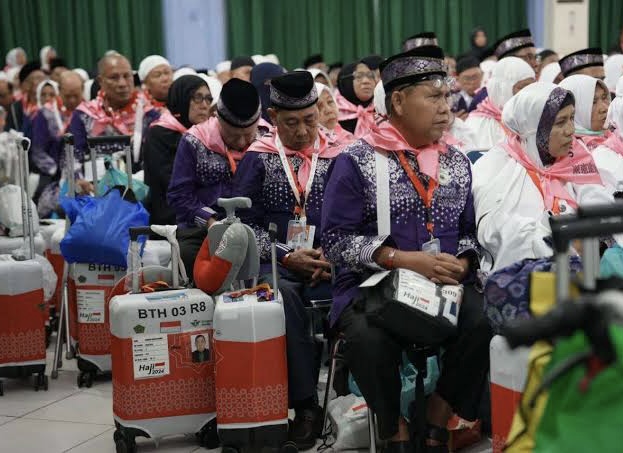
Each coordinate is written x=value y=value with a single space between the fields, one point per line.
x=99 y=232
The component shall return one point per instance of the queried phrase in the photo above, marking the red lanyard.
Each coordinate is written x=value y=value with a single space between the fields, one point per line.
x=232 y=163
x=537 y=183
x=425 y=195
x=298 y=209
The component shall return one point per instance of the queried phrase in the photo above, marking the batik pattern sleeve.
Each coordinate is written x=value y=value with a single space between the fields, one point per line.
x=182 y=194
x=42 y=140
x=468 y=241
x=343 y=218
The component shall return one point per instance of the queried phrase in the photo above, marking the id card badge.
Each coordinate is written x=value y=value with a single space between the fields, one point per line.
x=432 y=247
x=300 y=235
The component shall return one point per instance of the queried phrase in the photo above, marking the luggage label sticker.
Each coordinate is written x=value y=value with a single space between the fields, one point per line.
x=300 y=235
x=150 y=355
x=91 y=306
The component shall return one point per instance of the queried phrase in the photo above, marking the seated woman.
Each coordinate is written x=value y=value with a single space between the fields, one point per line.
x=426 y=178
x=591 y=128
x=508 y=77
x=541 y=170
x=328 y=114
x=610 y=154
x=355 y=98
x=163 y=137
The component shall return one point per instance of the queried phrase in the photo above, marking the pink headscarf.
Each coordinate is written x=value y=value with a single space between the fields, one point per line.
x=168 y=121
x=579 y=169
x=326 y=150
x=386 y=137
x=209 y=133
x=350 y=111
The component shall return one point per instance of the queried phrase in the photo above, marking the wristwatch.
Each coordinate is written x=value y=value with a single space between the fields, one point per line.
x=389 y=262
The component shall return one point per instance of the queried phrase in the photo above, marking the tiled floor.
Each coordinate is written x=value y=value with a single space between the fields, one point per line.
x=69 y=419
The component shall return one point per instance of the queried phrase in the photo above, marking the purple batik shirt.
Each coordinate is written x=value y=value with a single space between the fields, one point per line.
x=261 y=177
x=47 y=142
x=200 y=177
x=349 y=220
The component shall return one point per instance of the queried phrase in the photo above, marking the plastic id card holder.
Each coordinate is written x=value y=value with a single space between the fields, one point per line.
x=300 y=235
x=432 y=247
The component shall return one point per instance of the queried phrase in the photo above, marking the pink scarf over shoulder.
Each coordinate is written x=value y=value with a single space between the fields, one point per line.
x=593 y=141
x=579 y=169
x=209 y=133
x=168 y=121
x=614 y=142
x=488 y=110
x=386 y=137
x=350 y=111
x=326 y=150
x=121 y=120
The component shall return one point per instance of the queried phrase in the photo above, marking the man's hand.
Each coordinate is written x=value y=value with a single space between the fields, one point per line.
x=449 y=269
x=307 y=262
x=85 y=186
x=442 y=268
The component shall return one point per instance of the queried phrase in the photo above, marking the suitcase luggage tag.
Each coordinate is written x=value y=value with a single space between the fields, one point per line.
x=432 y=247
x=300 y=235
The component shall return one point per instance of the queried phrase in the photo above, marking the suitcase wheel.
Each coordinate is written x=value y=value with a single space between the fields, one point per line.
x=85 y=379
x=289 y=447
x=229 y=449
x=1 y=388
x=41 y=381
x=208 y=436
x=124 y=441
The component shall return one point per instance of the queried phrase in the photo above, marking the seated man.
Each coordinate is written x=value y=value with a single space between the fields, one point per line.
x=156 y=75
x=206 y=160
x=22 y=112
x=115 y=110
x=283 y=174
x=427 y=180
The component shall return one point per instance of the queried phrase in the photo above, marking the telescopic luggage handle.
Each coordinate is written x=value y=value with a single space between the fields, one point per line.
x=104 y=140
x=600 y=211
x=567 y=228
x=231 y=204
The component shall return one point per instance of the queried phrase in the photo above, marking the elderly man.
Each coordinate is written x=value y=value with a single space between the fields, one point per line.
x=49 y=125
x=241 y=68
x=424 y=222
x=117 y=110
x=283 y=173
x=156 y=76
x=22 y=112
x=589 y=62
x=205 y=162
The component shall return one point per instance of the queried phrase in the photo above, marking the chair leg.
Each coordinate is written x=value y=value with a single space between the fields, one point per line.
x=372 y=430
x=330 y=379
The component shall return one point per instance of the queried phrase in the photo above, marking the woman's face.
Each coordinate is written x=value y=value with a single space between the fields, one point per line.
x=480 y=39
x=561 y=136
x=522 y=84
x=601 y=102
x=199 y=107
x=328 y=110
x=47 y=94
x=364 y=81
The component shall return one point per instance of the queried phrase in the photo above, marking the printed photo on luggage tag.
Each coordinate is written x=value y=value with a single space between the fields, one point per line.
x=200 y=347
x=300 y=235
x=432 y=247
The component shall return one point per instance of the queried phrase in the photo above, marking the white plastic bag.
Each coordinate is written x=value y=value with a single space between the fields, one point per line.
x=49 y=277
x=349 y=419
x=11 y=211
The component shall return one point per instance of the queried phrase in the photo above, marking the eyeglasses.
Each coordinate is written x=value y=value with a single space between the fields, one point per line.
x=359 y=76
x=471 y=78
x=198 y=98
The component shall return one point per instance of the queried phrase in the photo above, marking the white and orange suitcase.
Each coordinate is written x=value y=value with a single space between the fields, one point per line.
x=88 y=289
x=163 y=363
x=508 y=370
x=251 y=372
x=9 y=244
x=53 y=233
x=22 y=321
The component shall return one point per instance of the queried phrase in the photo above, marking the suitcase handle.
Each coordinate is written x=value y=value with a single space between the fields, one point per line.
x=230 y=205
x=123 y=139
x=135 y=232
x=567 y=228
x=603 y=210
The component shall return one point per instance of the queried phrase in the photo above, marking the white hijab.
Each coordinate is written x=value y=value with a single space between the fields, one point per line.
x=379 y=99
x=615 y=111
x=613 y=67
x=550 y=72
x=316 y=72
x=510 y=212
x=54 y=85
x=583 y=88
x=506 y=73
x=486 y=68
x=11 y=57
x=43 y=57
x=609 y=162
x=214 y=85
